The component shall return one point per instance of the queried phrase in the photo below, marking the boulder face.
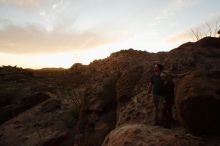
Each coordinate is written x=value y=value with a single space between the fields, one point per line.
x=142 y=135
x=198 y=102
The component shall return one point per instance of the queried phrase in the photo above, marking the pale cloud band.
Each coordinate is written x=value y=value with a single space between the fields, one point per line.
x=36 y=40
x=22 y=3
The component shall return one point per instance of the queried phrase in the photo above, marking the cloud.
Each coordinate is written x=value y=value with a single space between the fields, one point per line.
x=34 y=39
x=172 y=9
x=22 y=3
x=38 y=4
x=214 y=14
x=166 y=13
x=4 y=22
x=181 y=37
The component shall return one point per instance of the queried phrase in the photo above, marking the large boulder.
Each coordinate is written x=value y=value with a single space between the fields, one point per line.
x=142 y=135
x=140 y=109
x=14 y=103
x=198 y=102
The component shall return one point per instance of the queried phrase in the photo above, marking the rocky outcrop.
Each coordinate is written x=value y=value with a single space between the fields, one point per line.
x=198 y=102
x=9 y=73
x=192 y=56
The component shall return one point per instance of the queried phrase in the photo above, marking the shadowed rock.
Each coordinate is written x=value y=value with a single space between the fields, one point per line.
x=198 y=102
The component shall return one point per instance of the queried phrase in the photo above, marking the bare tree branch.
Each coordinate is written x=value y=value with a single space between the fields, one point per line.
x=212 y=31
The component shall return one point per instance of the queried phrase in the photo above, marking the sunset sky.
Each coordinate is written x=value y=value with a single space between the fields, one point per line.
x=59 y=33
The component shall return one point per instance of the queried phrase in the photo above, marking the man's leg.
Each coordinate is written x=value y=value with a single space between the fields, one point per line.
x=156 y=104
x=164 y=114
x=169 y=113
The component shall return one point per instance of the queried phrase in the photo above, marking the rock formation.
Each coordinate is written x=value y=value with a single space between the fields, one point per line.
x=106 y=102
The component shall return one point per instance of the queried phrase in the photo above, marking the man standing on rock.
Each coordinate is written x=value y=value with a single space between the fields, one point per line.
x=156 y=83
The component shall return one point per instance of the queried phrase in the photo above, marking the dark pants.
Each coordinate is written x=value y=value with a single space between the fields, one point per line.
x=158 y=103
x=163 y=111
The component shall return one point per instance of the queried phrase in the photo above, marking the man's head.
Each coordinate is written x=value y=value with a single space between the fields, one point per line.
x=158 y=68
x=163 y=76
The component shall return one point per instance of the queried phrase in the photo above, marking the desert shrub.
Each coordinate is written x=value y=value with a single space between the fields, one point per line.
x=73 y=117
x=74 y=96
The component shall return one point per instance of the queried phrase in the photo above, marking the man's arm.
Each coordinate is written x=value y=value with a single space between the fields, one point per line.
x=149 y=88
x=180 y=75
